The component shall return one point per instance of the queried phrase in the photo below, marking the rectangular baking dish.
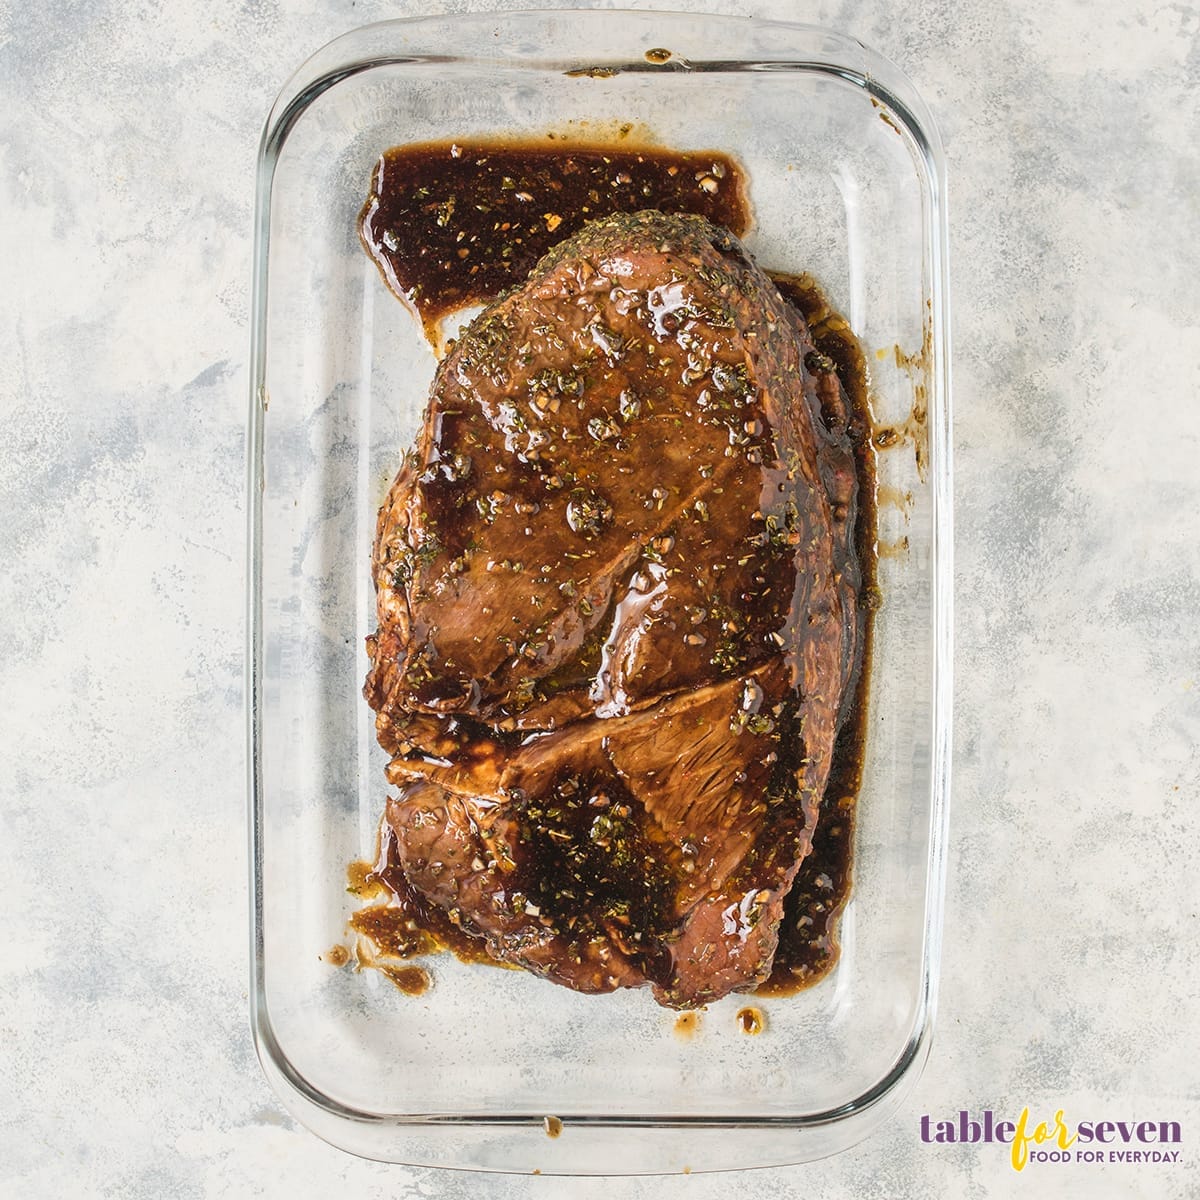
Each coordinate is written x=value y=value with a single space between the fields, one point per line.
x=846 y=182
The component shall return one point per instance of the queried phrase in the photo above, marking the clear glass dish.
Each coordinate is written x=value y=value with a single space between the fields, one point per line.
x=846 y=182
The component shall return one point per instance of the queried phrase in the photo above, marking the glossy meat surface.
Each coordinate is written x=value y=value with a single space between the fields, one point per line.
x=616 y=594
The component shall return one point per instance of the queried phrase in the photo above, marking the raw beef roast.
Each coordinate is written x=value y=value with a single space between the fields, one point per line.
x=617 y=615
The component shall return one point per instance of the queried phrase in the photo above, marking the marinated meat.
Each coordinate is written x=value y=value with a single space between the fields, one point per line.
x=617 y=615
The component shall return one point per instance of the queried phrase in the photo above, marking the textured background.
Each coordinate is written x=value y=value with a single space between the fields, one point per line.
x=128 y=132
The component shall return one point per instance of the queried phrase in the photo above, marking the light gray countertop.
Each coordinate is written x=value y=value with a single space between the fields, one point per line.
x=128 y=135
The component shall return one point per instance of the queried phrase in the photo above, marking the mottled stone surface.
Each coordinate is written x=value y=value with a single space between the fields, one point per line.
x=128 y=135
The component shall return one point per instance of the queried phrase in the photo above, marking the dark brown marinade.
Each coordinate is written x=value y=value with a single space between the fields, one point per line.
x=450 y=224
x=427 y=204
x=590 y=860
x=808 y=947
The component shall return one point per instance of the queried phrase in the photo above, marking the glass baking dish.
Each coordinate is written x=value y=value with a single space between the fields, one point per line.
x=846 y=182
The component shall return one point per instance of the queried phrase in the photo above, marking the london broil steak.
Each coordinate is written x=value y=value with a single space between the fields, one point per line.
x=617 y=615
